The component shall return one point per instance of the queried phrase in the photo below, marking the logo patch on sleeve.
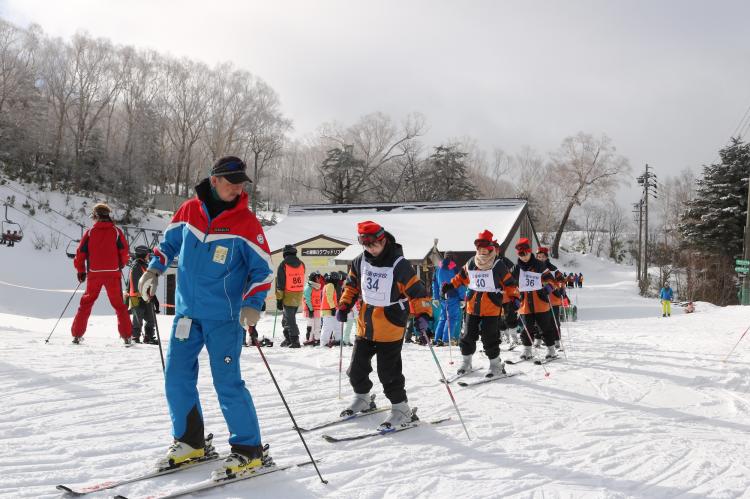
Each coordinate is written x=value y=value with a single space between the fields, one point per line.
x=260 y=238
x=227 y=359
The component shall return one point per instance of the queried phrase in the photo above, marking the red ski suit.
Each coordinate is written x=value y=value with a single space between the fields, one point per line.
x=102 y=252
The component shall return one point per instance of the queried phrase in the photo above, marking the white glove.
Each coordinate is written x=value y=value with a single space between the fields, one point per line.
x=147 y=284
x=249 y=317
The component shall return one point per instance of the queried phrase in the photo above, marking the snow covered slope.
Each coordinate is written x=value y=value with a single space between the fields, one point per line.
x=643 y=407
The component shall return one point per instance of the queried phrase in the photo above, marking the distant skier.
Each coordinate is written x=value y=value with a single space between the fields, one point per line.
x=312 y=295
x=330 y=333
x=290 y=283
x=535 y=282
x=449 y=323
x=101 y=254
x=580 y=280
x=385 y=281
x=143 y=311
x=666 y=295
x=488 y=279
x=223 y=278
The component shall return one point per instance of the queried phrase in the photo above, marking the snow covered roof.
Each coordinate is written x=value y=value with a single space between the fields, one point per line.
x=416 y=226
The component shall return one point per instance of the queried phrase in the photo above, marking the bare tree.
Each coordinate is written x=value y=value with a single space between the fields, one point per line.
x=185 y=107
x=583 y=167
x=377 y=141
x=265 y=129
x=617 y=223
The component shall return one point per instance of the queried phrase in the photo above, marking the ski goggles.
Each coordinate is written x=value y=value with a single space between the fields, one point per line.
x=483 y=243
x=368 y=239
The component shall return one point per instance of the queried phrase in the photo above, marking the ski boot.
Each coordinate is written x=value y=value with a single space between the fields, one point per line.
x=527 y=353
x=400 y=415
x=294 y=343
x=285 y=343
x=465 y=365
x=558 y=345
x=137 y=339
x=362 y=402
x=551 y=352
x=243 y=463
x=180 y=453
x=497 y=368
x=77 y=340
x=127 y=341
x=537 y=343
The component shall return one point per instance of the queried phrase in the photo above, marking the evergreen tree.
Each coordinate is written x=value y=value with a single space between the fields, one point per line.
x=715 y=218
x=447 y=176
x=344 y=177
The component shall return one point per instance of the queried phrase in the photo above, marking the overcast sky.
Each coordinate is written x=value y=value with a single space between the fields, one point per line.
x=668 y=81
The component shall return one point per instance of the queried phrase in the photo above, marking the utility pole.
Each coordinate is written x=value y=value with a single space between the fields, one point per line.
x=648 y=181
x=745 y=295
x=638 y=212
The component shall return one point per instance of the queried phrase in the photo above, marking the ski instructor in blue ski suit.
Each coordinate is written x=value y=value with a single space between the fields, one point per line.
x=223 y=276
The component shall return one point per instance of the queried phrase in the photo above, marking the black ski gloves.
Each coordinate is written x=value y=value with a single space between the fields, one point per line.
x=81 y=277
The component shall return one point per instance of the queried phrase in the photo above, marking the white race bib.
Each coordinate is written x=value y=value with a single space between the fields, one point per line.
x=481 y=280
x=376 y=283
x=529 y=281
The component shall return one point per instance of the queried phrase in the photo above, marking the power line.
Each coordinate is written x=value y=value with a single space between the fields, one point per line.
x=47 y=207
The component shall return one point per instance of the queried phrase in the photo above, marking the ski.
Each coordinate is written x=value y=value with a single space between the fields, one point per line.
x=451 y=379
x=111 y=484
x=344 y=419
x=487 y=380
x=376 y=433
x=212 y=484
x=539 y=362
x=512 y=362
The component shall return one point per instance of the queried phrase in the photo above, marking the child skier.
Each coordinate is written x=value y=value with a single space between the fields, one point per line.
x=385 y=281
x=330 y=333
x=535 y=282
x=142 y=310
x=312 y=295
x=488 y=279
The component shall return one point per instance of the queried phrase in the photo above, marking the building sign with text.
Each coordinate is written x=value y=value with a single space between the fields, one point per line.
x=321 y=251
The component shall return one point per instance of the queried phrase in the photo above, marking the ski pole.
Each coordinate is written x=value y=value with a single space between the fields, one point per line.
x=63 y=312
x=735 y=346
x=557 y=328
x=158 y=336
x=445 y=382
x=294 y=422
x=273 y=334
x=341 y=356
x=450 y=334
x=528 y=335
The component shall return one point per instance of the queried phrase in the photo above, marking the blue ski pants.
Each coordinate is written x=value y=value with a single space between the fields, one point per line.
x=223 y=341
x=449 y=309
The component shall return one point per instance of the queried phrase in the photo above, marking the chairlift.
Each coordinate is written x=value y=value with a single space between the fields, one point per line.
x=10 y=232
x=72 y=246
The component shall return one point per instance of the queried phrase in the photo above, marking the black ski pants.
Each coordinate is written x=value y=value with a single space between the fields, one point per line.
x=390 y=372
x=487 y=328
x=143 y=313
x=544 y=322
x=290 y=317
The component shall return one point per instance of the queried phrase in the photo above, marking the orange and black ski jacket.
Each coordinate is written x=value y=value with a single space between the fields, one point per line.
x=386 y=324
x=484 y=303
x=533 y=302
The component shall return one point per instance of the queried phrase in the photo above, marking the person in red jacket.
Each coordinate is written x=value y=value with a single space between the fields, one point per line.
x=102 y=252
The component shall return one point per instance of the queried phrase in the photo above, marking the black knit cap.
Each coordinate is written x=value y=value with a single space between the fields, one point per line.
x=289 y=250
x=231 y=168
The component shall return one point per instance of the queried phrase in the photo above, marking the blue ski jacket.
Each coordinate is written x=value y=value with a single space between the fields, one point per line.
x=666 y=294
x=444 y=273
x=224 y=264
